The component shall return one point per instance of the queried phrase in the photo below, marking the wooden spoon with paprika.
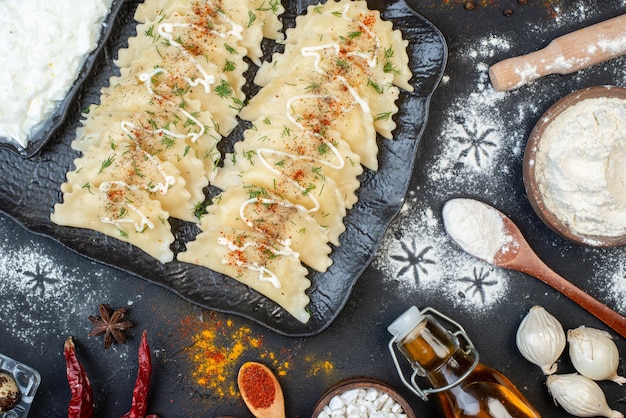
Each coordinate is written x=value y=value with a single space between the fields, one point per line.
x=261 y=391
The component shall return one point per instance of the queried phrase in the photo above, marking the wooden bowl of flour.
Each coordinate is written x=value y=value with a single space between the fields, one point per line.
x=575 y=167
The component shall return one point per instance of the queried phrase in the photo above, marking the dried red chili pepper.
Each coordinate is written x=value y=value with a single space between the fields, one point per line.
x=139 y=404
x=81 y=404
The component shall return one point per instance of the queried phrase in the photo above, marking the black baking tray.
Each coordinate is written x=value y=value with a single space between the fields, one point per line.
x=31 y=187
x=44 y=132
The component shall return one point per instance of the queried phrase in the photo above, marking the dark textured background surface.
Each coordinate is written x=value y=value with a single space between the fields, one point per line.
x=355 y=344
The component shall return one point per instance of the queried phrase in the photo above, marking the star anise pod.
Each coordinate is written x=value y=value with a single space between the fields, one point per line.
x=111 y=325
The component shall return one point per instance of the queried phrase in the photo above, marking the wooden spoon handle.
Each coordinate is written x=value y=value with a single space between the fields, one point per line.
x=564 y=55
x=605 y=314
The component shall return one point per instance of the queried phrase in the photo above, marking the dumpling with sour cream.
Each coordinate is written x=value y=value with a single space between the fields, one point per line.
x=266 y=266
x=245 y=22
x=128 y=164
x=256 y=209
x=341 y=21
x=304 y=185
x=215 y=82
x=326 y=105
x=119 y=212
x=327 y=148
x=337 y=61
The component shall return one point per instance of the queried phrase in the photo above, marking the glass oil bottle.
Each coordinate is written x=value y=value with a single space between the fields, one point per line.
x=465 y=387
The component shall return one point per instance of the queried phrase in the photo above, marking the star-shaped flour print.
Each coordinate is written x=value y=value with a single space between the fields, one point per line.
x=474 y=141
x=39 y=280
x=478 y=282
x=414 y=261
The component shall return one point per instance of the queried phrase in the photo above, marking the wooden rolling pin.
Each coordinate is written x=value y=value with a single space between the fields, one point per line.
x=564 y=55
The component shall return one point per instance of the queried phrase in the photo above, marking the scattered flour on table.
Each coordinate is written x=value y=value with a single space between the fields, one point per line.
x=472 y=136
x=417 y=252
x=482 y=138
x=49 y=300
x=611 y=279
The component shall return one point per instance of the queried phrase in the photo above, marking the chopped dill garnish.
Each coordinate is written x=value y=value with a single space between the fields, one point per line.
x=230 y=49
x=150 y=31
x=312 y=87
x=251 y=18
x=273 y=6
x=375 y=86
x=382 y=116
x=388 y=67
x=323 y=149
x=255 y=192
x=168 y=141
x=199 y=209
x=224 y=89
x=308 y=189
x=87 y=186
x=229 y=66
x=249 y=155
x=342 y=63
x=106 y=163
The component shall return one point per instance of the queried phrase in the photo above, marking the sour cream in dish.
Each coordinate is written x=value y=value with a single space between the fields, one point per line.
x=44 y=45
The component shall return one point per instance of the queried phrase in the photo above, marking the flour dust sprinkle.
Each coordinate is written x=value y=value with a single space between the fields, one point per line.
x=44 y=291
x=481 y=139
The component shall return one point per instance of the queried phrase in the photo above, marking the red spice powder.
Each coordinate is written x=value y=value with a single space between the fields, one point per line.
x=258 y=386
x=215 y=346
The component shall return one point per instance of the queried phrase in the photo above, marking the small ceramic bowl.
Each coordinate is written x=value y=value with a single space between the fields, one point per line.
x=348 y=385
x=529 y=168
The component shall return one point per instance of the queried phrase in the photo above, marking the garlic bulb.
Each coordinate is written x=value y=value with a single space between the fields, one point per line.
x=540 y=339
x=594 y=354
x=579 y=396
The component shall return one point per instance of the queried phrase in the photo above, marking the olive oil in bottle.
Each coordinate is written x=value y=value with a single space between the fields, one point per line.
x=465 y=387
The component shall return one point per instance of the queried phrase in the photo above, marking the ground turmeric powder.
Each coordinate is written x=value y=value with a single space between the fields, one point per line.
x=218 y=346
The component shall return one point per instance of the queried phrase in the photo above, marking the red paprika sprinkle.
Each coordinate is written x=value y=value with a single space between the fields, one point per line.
x=258 y=387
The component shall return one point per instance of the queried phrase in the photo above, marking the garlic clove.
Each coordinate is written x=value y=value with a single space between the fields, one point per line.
x=540 y=339
x=579 y=396
x=594 y=354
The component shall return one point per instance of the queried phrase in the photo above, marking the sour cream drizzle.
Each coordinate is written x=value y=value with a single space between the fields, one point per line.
x=161 y=187
x=143 y=220
x=266 y=201
x=236 y=30
x=166 y=29
x=372 y=59
x=265 y=274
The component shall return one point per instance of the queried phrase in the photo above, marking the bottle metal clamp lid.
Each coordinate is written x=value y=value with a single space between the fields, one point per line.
x=403 y=325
